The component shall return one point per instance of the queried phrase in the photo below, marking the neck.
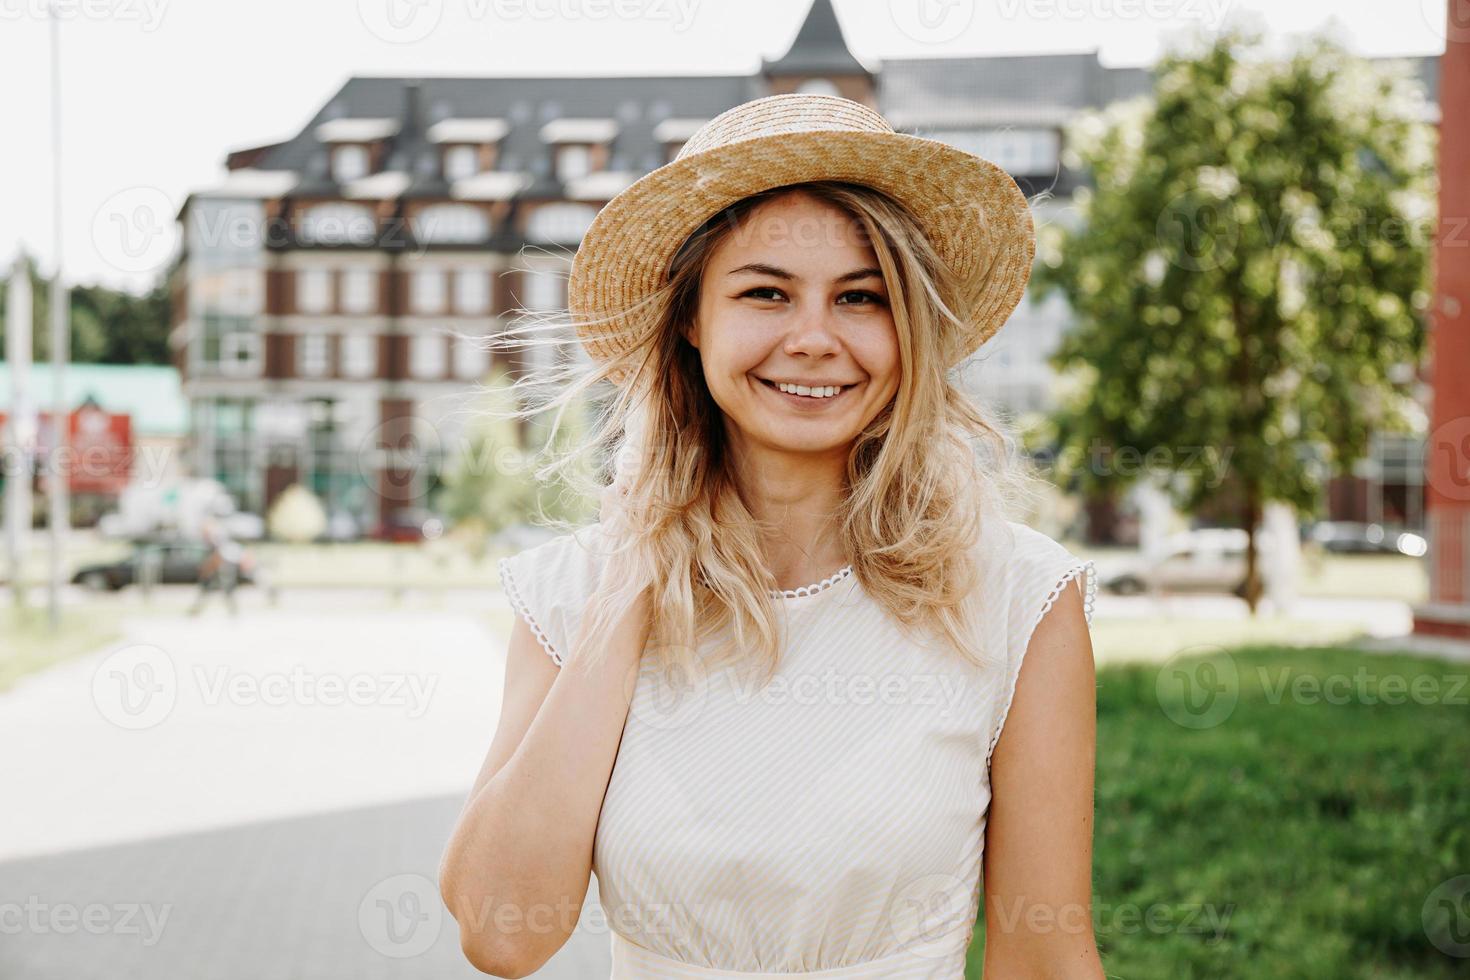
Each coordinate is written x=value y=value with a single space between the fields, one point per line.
x=798 y=497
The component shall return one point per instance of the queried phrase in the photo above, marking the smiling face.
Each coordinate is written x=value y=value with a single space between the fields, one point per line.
x=795 y=295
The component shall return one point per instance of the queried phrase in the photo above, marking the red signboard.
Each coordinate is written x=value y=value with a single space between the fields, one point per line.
x=100 y=457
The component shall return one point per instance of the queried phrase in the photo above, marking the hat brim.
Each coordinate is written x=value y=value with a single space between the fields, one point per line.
x=976 y=216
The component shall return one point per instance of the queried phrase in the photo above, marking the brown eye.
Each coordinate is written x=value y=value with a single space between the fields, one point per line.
x=763 y=289
x=864 y=294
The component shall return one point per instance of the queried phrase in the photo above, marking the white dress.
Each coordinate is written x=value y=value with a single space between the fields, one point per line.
x=830 y=824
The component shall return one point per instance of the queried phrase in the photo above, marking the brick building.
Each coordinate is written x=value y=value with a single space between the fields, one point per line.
x=320 y=281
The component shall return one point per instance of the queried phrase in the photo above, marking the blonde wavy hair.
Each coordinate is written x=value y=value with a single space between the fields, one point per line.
x=920 y=479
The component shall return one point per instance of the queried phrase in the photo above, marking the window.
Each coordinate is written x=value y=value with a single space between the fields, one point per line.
x=313 y=290
x=359 y=355
x=471 y=291
x=560 y=222
x=471 y=359
x=461 y=162
x=573 y=161
x=427 y=356
x=349 y=162
x=359 y=291
x=311 y=355
x=545 y=289
x=1026 y=152
x=428 y=291
x=338 y=224
x=451 y=223
x=240 y=353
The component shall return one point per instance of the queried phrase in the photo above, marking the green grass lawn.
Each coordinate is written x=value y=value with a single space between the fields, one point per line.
x=1298 y=830
x=27 y=643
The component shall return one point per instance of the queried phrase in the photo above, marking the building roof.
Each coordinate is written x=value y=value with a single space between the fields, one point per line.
x=640 y=115
x=819 y=48
x=917 y=93
x=631 y=108
x=150 y=393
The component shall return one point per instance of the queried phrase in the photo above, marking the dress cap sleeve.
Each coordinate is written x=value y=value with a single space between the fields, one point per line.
x=1039 y=568
x=548 y=585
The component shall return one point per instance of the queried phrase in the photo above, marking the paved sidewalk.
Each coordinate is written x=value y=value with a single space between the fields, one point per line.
x=249 y=798
x=335 y=896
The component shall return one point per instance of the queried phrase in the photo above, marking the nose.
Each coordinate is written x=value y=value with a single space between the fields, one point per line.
x=812 y=332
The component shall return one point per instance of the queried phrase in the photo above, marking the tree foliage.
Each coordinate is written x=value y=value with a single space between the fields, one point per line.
x=1249 y=272
x=108 y=326
x=492 y=485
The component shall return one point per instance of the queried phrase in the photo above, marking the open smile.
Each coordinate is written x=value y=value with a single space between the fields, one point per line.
x=808 y=402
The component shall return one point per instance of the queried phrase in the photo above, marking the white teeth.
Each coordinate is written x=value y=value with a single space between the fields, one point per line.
x=823 y=392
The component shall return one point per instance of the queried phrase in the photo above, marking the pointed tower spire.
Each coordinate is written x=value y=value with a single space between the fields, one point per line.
x=819 y=48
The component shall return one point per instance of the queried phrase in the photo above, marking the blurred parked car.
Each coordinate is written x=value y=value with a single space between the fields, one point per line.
x=411 y=524
x=1201 y=560
x=1355 y=537
x=178 y=562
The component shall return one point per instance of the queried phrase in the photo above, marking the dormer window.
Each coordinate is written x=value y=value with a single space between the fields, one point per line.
x=579 y=146
x=353 y=143
x=349 y=162
x=572 y=161
x=461 y=161
x=674 y=133
x=467 y=147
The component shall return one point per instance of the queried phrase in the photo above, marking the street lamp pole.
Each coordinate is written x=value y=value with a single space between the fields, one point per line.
x=56 y=483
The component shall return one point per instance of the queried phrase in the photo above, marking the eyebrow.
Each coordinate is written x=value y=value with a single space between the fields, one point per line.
x=762 y=268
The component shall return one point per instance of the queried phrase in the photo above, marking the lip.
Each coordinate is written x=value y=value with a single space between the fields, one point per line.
x=806 y=403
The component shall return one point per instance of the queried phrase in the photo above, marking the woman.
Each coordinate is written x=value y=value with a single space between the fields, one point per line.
x=775 y=697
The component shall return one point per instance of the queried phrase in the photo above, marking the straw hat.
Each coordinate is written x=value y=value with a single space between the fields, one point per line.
x=977 y=217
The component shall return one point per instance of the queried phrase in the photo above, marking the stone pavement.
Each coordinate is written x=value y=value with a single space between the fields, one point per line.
x=330 y=896
x=254 y=797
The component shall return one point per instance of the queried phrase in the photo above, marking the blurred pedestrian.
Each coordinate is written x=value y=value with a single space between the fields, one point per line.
x=220 y=568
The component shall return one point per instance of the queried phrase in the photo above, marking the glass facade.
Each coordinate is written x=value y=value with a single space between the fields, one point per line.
x=225 y=285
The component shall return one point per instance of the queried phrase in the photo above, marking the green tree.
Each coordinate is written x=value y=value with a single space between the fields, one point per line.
x=1250 y=275
x=491 y=485
x=108 y=326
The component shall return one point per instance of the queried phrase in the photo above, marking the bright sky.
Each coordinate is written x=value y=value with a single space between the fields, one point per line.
x=156 y=91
